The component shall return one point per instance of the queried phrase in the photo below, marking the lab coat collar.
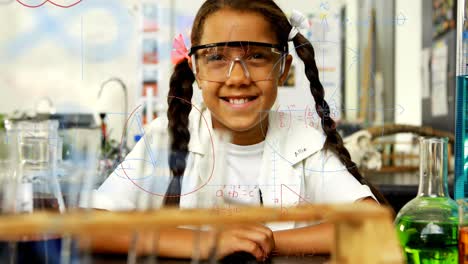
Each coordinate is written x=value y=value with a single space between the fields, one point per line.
x=201 y=129
x=283 y=166
x=297 y=140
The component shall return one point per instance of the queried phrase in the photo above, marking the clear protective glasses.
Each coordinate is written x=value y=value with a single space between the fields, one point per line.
x=259 y=61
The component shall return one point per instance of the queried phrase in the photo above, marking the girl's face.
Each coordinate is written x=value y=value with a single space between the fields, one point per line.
x=225 y=99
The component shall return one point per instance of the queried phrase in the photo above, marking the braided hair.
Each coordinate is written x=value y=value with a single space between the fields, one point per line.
x=333 y=142
x=183 y=78
x=180 y=95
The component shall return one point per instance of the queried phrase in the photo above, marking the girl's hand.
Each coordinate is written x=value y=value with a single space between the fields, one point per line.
x=257 y=240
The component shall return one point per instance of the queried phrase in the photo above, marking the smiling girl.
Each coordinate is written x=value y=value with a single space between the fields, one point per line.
x=239 y=58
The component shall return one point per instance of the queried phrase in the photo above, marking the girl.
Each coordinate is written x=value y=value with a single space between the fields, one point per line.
x=238 y=58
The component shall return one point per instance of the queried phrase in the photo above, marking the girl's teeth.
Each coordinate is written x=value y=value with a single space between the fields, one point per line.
x=238 y=101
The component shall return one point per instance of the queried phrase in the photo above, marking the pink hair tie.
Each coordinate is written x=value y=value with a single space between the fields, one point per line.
x=179 y=50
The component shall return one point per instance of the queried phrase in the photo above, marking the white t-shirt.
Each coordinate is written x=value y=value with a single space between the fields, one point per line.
x=242 y=173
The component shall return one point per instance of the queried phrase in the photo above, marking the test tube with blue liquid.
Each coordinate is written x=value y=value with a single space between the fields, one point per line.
x=461 y=114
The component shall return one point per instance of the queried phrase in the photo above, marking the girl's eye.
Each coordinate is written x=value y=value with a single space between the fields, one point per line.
x=214 y=57
x=259 y=57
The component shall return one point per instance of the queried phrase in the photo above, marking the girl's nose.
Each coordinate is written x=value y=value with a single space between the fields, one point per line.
x=238 y=74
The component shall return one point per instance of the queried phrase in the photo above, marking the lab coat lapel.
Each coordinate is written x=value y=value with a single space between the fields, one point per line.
x=198 y=174
x=285 y=149
x=282 y=171
x=205 y=140
x=206 y=175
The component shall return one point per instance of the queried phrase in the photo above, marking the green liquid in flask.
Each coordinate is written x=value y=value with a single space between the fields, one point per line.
x=461 y=138
x=427 y=242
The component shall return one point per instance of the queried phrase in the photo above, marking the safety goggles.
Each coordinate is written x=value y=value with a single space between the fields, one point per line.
x=259 y=61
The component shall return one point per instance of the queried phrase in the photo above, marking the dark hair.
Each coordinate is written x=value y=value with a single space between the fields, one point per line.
x=183 y=78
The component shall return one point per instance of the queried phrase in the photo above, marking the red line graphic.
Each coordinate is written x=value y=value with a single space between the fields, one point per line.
x=212 y=149
x=50 y=1
x=301 y=198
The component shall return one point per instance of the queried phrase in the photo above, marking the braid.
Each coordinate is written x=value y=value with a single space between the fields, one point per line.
x=180 y=93
x=333 y=142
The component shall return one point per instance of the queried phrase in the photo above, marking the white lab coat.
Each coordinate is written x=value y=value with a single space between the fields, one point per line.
x=295 y=169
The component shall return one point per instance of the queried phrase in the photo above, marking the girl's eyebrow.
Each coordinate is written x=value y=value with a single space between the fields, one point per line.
x=221 y=49
x=207 y=50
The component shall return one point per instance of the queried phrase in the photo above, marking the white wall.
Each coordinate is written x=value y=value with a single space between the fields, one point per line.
x=408 y=46
x=60 y=68
x=54 y=52
x=301 y=96
x=352 y=72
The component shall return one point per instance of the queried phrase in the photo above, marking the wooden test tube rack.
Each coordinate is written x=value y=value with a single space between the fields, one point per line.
x=364 y=233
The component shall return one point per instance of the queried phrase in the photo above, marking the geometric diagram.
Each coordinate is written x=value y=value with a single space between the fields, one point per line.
x=52 y=2
x=287 y=189
x=157 y=157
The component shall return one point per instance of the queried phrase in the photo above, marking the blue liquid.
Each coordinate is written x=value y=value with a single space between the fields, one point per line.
x=41 y=252
x=461 y=138
x=38 y=252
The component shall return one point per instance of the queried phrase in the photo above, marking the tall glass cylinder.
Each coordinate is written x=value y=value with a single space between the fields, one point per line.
x=8 y=161
x=461 y=113
x=427 y=226
x=8 y=167
x=77 y=178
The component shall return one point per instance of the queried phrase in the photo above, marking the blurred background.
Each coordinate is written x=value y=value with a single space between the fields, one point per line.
x=388 y=67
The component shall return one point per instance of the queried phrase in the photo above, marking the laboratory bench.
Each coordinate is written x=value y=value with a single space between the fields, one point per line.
x=400 y=188
x=122 y=259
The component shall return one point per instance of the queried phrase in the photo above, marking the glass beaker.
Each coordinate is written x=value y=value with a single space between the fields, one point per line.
x=32 y=186
x=427 y=226
x=37 y=143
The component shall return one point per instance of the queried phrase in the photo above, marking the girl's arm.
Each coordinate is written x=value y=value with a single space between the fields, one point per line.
x=317 y=239
x=256 y=239
x=179 y=242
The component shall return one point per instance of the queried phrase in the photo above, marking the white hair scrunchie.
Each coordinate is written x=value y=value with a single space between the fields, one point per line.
x=298 y=21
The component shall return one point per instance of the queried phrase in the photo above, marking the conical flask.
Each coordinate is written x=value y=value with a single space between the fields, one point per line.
x=427 y=226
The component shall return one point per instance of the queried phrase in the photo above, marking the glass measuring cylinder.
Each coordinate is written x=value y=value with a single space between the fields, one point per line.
x=461 y=113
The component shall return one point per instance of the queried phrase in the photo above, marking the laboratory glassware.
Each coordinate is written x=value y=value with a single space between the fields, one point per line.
x=427 y=226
